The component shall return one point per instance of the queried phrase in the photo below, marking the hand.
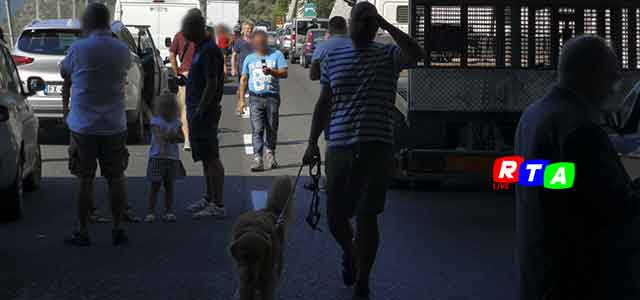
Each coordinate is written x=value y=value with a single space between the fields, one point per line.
x=242 y=105
x=312 y=154
x=268 y=71
x=234 y=72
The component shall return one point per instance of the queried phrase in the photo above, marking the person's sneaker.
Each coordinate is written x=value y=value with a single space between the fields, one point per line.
x=97 y=218
x=78 y=239
x=270 y=160
x=169 y=218
x=198 y=205
x=186 y=147
x=150 y=218
x=119 y=237
x=130 y=216
x=212 y=210
x=257 y=165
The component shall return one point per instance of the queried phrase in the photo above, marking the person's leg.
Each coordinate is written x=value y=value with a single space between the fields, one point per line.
x=168 y=195
x=86 y=194
x=153 y=196
x=182 y=94
x=208 y=183
x=114 y=160
x=258 y=116
x=216 y=174
x=118 y=197
x=272 y=125
x=339 y=209
x=367 y=241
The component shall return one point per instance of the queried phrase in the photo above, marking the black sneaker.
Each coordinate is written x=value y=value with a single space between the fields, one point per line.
x=78 y=239
x=119 y=237
x=130 y=216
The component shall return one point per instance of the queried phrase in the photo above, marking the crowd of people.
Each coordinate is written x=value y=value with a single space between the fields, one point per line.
x=94 y=72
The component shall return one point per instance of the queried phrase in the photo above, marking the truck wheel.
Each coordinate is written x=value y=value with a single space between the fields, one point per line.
x=136 y=132
x=32 y=182
x=11 y=199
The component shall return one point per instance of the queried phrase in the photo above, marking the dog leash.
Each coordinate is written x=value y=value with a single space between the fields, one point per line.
x=314 y=215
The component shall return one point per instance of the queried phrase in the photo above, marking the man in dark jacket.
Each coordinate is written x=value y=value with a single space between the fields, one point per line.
x=576 y=243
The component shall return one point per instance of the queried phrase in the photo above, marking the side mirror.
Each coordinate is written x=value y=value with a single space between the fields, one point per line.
x=34 y=85
x=167 y=42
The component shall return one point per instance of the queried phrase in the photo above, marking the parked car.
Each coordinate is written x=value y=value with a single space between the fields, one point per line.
x=43 y=44
x=300 y=27
x=314 y=36
x=20 y=159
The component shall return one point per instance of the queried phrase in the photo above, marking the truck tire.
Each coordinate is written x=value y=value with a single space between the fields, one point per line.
x=12 y=198
x=136 y=131
x=32 y=181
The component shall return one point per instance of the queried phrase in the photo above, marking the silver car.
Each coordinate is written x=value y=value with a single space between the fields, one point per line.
x=44 y=43
x=20 y=160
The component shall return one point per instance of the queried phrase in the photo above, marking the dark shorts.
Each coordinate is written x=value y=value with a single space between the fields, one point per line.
x=160 y=169
x=203 y=135
x=358 y=177
x=85 y=151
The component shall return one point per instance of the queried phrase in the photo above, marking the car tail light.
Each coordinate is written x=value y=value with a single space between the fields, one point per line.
x=22 y=60
x=4 y=114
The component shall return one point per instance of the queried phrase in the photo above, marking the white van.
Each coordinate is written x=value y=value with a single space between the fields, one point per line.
x=395 y=12
x=164 y=16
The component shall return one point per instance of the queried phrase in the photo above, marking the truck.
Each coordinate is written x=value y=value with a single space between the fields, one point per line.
x=164 y=16
x=486 y=61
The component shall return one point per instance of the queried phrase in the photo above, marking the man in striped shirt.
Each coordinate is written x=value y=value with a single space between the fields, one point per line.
x=359 y=82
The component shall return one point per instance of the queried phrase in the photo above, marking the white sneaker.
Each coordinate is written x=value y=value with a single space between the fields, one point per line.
x=150 y=218
x=198 y=205
x=270 y=160
x=212 y=210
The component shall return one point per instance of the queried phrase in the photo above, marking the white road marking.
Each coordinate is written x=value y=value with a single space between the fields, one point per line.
x=248 y=144
x=258 y=199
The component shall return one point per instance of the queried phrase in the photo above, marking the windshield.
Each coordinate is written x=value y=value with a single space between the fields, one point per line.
x=303 y=26
x=51 y=41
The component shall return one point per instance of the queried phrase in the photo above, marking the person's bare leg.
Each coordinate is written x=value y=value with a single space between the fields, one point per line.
x=216 y=175
x=342 y=231
x=367 y=241
x=208 y=185
x=183 y=115
x=118 y=196
x=168 y=195
x=86 y=195
x=153 y=196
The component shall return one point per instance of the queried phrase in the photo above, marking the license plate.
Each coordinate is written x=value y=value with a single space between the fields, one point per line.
x=53 y=89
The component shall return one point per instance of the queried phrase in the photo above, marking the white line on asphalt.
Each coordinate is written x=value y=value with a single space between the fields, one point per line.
x=248 y=144
x=259 y=199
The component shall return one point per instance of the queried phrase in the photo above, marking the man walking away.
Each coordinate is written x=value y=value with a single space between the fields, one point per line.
x=242 y=47
x=359 y=83
x=337 y=39
x=97 y=66
x=204 y=93
x=183 y=50
x=262 y=72
x=577 y=243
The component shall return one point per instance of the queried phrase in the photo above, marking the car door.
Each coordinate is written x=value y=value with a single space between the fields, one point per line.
x=135 y=75
x=146 y=42
x=26 y=124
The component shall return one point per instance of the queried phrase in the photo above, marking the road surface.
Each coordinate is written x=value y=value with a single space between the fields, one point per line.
x=436 y=243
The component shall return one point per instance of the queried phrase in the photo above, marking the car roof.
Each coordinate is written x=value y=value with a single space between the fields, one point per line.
x=53 y=24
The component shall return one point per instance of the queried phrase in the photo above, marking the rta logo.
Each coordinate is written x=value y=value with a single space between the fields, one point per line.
x=512 y=169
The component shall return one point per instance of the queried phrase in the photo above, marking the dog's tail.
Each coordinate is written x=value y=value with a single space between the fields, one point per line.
x=278 y=201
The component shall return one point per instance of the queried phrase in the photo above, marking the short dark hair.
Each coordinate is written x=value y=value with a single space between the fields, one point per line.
x=194 y=24
x=338 y=25
x=96 y=16
x=259 y=32
x=194 y=10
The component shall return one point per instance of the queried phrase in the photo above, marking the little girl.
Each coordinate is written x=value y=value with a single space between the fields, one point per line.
x=164 y=161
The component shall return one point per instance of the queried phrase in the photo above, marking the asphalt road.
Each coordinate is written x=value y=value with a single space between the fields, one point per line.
x=436 y=243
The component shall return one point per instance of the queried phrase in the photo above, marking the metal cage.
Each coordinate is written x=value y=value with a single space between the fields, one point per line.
x=499 y=56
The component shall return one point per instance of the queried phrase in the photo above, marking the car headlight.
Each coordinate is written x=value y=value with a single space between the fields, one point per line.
x=4 y=114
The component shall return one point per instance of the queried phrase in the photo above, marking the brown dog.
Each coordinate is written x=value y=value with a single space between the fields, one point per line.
x=257 y=244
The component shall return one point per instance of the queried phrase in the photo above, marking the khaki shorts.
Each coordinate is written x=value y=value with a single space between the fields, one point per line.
x=358 y=177
x=85 y=151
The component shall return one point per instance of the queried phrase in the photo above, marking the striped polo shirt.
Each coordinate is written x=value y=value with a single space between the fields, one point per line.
x=364 y=83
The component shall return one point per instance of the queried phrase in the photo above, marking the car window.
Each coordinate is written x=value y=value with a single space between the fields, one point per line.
x=9 y=79
x=145 y=40
x=50 y=41
x=125 y=36
x=304 y=26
